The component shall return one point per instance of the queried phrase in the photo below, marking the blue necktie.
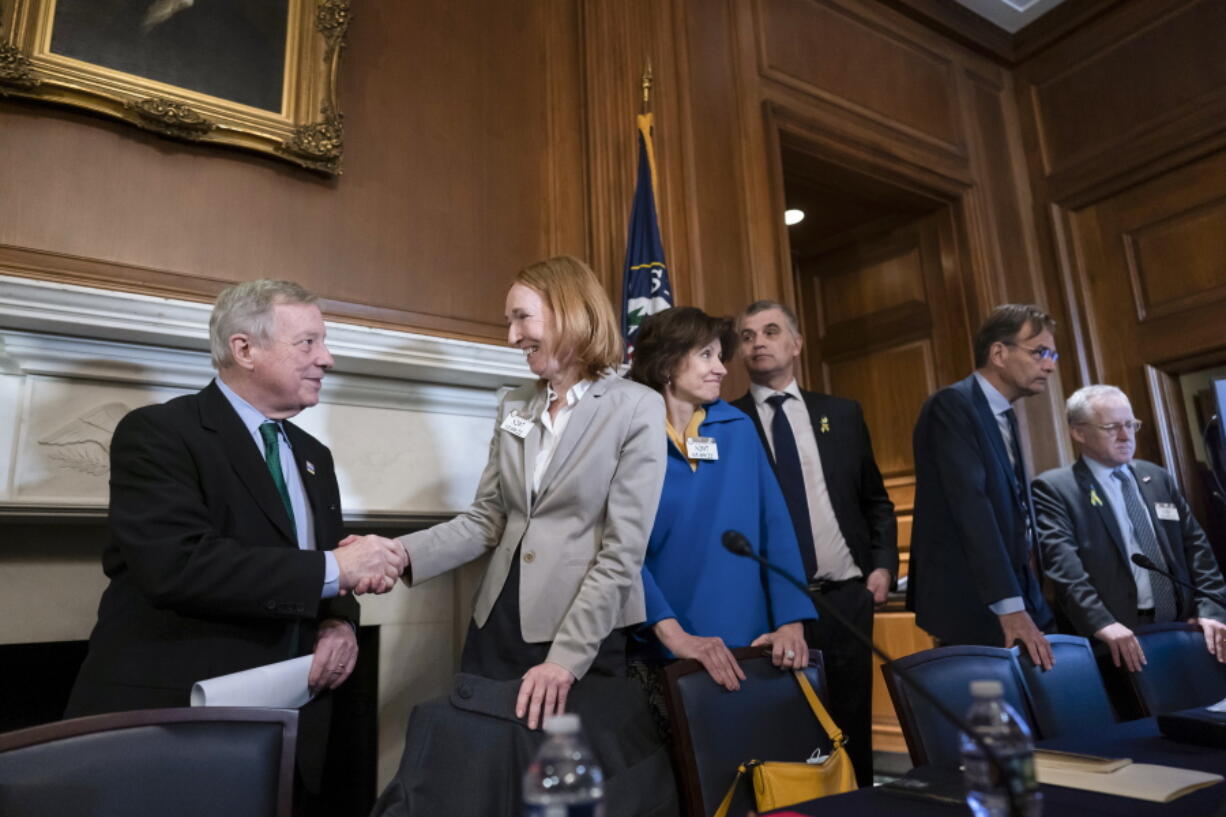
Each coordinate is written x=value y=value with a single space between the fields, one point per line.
x=792 y=481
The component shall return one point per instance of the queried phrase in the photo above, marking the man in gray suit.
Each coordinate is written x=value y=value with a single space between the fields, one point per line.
x=1095 y=514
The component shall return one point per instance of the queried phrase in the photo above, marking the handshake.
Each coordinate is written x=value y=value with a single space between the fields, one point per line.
x=370 y=564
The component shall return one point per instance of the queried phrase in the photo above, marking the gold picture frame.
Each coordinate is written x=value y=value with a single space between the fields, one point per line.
x=252 y=74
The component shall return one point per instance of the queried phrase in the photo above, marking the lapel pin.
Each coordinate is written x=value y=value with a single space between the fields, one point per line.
x=824 y=426
x=1095 y=500
x=1145 y=479
x=310 y=466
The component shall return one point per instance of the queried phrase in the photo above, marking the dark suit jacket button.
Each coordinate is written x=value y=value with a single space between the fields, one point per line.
x=464 y=691
x=529 y=558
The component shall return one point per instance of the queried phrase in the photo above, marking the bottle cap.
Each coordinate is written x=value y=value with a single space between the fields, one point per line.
x=987 y=689
x=565 y=724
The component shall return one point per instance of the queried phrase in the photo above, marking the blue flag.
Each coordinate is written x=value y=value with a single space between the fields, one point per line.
x=645 y=287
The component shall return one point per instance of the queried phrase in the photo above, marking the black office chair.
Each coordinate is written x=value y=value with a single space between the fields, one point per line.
x=947 y=672
x=1179 y=672
x=714 y=730
x=182 y=762
x=1070 y=698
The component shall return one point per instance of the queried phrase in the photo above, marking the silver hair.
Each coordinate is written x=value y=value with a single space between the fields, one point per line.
x=761 y=306
x=246 y=308
x=1079 y=406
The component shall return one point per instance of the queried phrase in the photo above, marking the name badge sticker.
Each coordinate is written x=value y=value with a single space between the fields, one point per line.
x=519 y=426
x=701 y=448
x=1166 y=511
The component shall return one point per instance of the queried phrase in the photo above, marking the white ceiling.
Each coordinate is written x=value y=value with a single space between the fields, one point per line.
x=1011 y=15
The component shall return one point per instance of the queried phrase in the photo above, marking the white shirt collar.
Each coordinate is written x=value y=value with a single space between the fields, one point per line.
x=573 y=395
x=996 y=401
x=760 y=393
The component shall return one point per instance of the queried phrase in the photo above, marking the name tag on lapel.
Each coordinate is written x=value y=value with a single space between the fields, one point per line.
x=1166 y=511
x=519 y=426
x=701 y=448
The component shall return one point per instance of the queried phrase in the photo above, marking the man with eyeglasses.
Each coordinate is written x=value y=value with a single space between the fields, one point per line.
x=1095 y=514
x=973 y=576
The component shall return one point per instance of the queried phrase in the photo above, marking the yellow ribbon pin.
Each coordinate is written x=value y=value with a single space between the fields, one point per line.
x=1095 y=500
x=825 y=425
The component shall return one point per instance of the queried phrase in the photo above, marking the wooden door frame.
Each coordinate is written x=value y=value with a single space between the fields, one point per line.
x=957 y=250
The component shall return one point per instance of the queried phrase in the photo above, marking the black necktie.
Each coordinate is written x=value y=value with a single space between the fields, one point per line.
x=792 y=481
x=1161 y=587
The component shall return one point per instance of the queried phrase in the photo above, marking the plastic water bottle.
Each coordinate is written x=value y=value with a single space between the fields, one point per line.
x=1009 y=737
x=564 y=780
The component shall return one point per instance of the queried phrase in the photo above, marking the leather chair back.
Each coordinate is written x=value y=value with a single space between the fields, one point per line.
x=714 y=730
x=1179 y=672
x=1070 y=698
x=201 y=762
x=947 y=672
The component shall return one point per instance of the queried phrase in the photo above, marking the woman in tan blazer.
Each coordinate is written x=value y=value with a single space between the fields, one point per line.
x=564 y=507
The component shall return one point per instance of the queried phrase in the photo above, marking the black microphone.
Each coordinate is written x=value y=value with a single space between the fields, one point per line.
x=736 y=543
x=1141 y=560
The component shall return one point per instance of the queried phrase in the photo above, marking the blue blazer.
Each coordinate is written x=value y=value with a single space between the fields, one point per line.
x=688 y=575
x=968 y=542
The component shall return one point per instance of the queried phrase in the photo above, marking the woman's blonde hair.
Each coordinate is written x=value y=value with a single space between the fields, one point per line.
x=583 y=317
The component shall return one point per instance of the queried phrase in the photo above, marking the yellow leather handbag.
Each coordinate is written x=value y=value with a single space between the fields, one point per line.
x=781 y=784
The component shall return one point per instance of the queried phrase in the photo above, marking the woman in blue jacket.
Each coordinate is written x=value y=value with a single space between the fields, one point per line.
x=701 y=599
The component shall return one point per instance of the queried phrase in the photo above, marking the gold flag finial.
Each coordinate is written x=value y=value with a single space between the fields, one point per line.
x=646 y=83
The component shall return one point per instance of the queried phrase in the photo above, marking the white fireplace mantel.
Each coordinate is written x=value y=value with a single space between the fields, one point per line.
x=408 y=415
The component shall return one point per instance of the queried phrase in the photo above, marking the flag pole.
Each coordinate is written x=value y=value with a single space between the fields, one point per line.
x=646 y=85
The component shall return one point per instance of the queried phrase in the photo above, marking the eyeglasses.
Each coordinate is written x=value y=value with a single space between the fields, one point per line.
x=1037 y=352
x=1114 y=428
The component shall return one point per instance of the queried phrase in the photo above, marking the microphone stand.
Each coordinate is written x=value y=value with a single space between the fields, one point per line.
x=1141 y=560
x=736 y=543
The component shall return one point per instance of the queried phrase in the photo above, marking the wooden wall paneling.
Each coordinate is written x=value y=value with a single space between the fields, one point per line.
x=891 y=385
x=760 y=170
x=1191 y=243
x=458 y=171
x=952 y=289
x=1152 y=307
x=863 y=66
x=618 y=42
x=719 y=197
x=1014 y=275
x=1138 y=93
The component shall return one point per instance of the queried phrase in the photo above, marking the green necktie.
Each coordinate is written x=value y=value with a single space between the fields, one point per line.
x=272 y=456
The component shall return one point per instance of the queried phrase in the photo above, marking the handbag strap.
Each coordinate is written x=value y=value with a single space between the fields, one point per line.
x=832 y=730
x=726 y=803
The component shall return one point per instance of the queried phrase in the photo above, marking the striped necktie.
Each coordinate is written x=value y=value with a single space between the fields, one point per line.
x=1147 y=541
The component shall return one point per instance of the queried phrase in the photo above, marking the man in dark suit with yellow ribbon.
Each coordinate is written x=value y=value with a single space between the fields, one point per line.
x=1096 y=513
x=820 y=450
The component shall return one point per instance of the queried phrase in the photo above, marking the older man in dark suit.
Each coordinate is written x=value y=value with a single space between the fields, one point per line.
x=820 y=449
x=972 y=577
x=223 y=517
x=1095 y=514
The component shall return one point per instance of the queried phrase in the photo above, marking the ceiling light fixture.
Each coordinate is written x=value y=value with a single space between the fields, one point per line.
x=792 y=217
